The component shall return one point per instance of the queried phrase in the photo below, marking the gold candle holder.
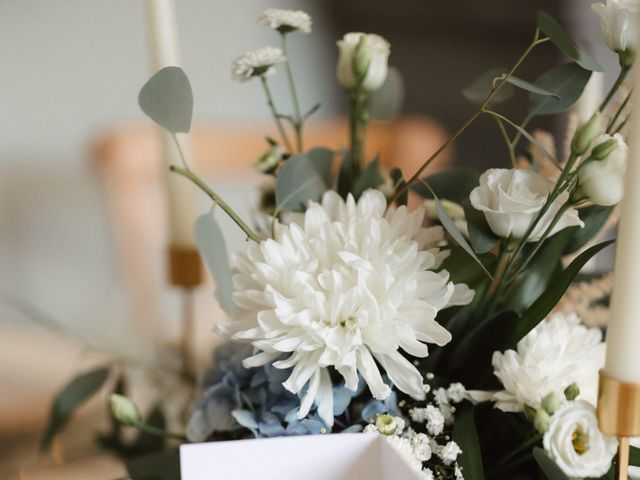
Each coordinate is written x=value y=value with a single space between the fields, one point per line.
x=619 y=415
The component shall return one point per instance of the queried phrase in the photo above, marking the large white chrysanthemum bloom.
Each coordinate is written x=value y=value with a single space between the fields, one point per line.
x=558 y=352
x=261 y=61
x=286 y=21
x=348 y=287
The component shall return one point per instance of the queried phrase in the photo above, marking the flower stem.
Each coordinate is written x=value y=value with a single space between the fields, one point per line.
x=185 y=172
x=274 y=112
x=614 y=119
x=492 y=93
x=358 y=126
x=297 y=121
x=618 y=83
x=143 y=427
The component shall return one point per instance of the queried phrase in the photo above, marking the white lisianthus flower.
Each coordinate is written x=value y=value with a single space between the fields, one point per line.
x=512 y=198
x=576 y=444
x=350 y=286
x=603 y=180
x=618 y=23
x=556 y=353
x=286 y=21
x=363 y=60
x=261 y=61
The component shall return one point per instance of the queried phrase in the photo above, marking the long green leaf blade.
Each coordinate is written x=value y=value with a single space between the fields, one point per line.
x=466 y=436
x=529 y=87
x=548 y=466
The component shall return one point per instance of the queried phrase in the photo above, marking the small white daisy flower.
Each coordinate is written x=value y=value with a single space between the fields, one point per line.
x=286 y=21
x=261 y=61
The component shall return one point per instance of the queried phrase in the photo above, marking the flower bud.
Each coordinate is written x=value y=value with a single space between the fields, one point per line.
x=269 y=161
x=541 y=420
x=362 y=61
x=124 y=410
x=529 y=412
x=586 y=134
x=572 y=392
x=601 y=178
x=386 y=424
x=551 y=403
x=602 y=150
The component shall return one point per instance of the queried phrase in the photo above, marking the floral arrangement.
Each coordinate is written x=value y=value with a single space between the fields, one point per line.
x=432 y=326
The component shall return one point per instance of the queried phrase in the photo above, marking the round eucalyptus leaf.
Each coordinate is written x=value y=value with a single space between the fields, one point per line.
x=167 y=98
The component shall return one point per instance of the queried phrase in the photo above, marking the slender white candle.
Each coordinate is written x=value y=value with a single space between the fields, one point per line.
x=589 y=101
x=623 y=334
x=164 y=51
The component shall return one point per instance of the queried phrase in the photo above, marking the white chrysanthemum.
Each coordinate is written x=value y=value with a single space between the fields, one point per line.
x=261 y=61
x=347 y=288
x=286 y=21
x=558 y=352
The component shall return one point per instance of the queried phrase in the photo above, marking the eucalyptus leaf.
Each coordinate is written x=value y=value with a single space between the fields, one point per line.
x=298 y=182
x=399 y=182
x=529 y=87
x=481 y=236
x=548 y=466
x=529 y=137
x=74 y=394
x=167 y=98
x=454 y=184
x=466 y=436
x=212 y=246
x=477 y=92
x=322 y=159
x=567 y=81
x=369 y=178
x=555 y=290
x=551 y=28
x=386 y=102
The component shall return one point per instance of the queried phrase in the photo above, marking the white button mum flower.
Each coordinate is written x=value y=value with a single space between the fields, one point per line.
x=261 y=61
x=286 y=21
x=558 y=352
x=347 y=289
x=575 y=442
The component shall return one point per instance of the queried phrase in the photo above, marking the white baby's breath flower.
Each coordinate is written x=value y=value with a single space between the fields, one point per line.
x=261 y=61
x=558 y=352
x=286 y=21
x=404 y=448
x=449 y=453
x=575 y=442
x=456 y=392
x=347 y=289
x=371 y=428
x=435 y=420
x=421 y=447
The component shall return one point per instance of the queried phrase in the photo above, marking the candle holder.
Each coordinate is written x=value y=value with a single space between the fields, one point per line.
x=185 y=272
x=619 y=415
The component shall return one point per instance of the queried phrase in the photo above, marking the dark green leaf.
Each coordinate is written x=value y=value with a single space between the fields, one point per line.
x=386 y=102
x=214 y=252
x=548 y=466
x=399 y=182
x=529 y=87
x=345 y=177
x=322 y=159
x=453 y=184
x=461 y=270
x=552 y=29
x=155 y=466
x=482 y=239
x=74 y=394
x=168 y=100
x=369 y=178
x=567 y=81
x=466 y=436
x=557 y=286
x=298 y=182
x=477 y=92
x=594 y=218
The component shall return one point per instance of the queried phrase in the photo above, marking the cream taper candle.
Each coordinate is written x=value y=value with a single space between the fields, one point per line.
x=623 y=334
x=164 y=51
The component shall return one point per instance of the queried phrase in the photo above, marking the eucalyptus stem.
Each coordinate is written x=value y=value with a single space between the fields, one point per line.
x=297 y=121
x=507 y=139
x=358 y=125
x=492 y=93
x=614 y=119
x=185 y=172
x=624 y=70
x=622 y=124
x=143 y=427
x=274 y=112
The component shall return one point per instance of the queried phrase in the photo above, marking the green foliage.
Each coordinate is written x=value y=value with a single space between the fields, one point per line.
x=345 y=176
x=214 y=252
x=566 y=81
x=548 y=466
x=482 y=239
x=454 y=184
x=155 y=466
x=299 y=181
x=386 y=102
x=75 y=393
x=594 y=218
x=399 y=182
x=529 y=87
x=526 y=135
x=477 y=92
x=551 y=28
x=167 y=98
x=371 y=177
x=322 y=159
x=466 y=436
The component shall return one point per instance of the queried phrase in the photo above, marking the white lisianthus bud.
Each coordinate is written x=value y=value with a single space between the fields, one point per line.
x=586 y=134
x=124 y=410
x=574 y=441
x=363 y=61
x=551 y=403
x=602 y=180
x=511 y=199
x=619 y=26
x=541 y=420
x=270 y=159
